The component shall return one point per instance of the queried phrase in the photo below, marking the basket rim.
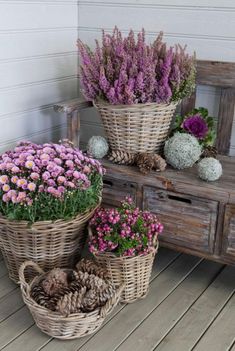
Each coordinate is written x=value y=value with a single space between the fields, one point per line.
x=129 y=258
x=103 y=103
x=57 y=221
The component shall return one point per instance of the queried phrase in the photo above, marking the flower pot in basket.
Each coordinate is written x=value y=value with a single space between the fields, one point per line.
x=48 y=193
x=137 y=127
x=50 y=244
x=134 y=272
x=53 y=322
x=136 y=87
x=124 y=241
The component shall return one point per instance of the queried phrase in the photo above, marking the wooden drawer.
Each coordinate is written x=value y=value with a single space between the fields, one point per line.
x=228 y=244
x=116 y=190
x=189 y=221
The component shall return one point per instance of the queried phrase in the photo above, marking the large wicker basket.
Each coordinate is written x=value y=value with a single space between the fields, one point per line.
x=138 y=127
x=50 y=244
x=52 y=323
x=134 y=272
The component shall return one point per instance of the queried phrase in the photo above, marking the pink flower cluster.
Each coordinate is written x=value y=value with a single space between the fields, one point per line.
x=126 y=231
x=126 y=70
x=30 y=169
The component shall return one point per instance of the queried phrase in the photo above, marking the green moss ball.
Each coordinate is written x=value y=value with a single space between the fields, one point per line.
x=97 y=146
x=209 y=169
x=182 y=150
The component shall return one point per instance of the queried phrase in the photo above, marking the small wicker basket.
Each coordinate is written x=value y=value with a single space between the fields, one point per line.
x=134 y=272
x=50 y=244
x=52 y=323
x=138 y=127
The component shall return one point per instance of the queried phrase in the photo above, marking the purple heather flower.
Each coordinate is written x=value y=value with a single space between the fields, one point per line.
x=196 y=126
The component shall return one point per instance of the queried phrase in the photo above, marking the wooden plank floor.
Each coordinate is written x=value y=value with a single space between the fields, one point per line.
x=190 y=306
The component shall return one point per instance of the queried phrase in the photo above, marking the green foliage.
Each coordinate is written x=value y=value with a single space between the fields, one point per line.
x=47 y=207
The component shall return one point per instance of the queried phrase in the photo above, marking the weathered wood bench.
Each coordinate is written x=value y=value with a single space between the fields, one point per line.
x=199 y=217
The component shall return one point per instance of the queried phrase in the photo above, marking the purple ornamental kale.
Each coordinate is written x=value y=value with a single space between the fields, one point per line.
x=196 y=126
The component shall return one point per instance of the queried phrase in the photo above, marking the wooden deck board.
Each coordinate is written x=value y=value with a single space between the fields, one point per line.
x=221 y=335
x=153 y=329
x=10 y=303
x=190 y=306
x=201 y=315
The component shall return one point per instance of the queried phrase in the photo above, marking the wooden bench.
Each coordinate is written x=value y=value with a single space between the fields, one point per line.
x=199 y=217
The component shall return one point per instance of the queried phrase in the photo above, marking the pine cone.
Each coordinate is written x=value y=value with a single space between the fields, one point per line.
x=72 y=288
x=38 y=295
x=54 y=281
x=209 y=151
x=105 y=294
x=159 y=163
x=145 y=162
x=122 y=157
x=71 y=302
x=89 y=301
x=91 y=268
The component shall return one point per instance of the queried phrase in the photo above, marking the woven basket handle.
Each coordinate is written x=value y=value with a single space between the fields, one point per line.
x=25 y=265
x=111 y=303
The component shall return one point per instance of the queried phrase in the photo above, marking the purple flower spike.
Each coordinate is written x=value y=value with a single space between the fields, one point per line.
x=196 y=126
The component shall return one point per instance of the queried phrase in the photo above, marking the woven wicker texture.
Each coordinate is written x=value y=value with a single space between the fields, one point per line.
x=52 y=323
x=134 y=272
x=50 y=244
x=137 y=128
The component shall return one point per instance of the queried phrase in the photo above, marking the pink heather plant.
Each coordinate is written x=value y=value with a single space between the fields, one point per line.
x=47 y=182
x=124 y=70
x=126 y=231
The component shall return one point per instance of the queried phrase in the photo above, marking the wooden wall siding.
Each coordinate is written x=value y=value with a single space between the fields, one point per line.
x=206 y=26
x=38 y=67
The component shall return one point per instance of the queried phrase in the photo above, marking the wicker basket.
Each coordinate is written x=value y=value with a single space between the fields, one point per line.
x=50 y=244
x=52 y=323
x=138 y=127
x=134 y=272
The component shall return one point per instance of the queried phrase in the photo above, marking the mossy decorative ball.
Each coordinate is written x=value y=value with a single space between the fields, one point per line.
x=209 y=169
x=182 y=150
x=97 y=146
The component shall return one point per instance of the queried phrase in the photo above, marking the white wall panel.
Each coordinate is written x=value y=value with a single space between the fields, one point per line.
x=196 y=4
x=20 y=45
x=38 y=67
x=154 y=19
x=45 y=135
x=30 y=122
x=36 y=95
x=37 y=15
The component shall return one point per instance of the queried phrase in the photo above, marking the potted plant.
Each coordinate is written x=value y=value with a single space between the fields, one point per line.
x=124 y=241
x=199 y=124
x=47 y=194
x=136 y=87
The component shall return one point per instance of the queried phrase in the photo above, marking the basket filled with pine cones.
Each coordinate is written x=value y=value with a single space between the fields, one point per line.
x=69 y=303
